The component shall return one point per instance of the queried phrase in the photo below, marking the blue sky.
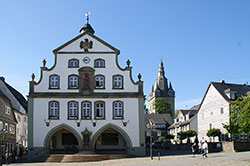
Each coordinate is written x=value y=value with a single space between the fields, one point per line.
x=198 y=40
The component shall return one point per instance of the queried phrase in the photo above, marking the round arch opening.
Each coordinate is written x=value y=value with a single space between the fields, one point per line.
x=62 y=140
x=111 y=141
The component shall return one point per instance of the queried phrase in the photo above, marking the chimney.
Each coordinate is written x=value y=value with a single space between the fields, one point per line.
x=2 y=79
x=222 y=81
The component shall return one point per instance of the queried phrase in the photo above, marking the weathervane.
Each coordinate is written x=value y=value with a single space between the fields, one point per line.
x=87 y=15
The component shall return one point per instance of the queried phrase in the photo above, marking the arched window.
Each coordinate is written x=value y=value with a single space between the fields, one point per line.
x=72 y=110
x=54 y=81
x=117 y=82
x=99 y=110
x=86 y=110
x=99 y=82
x=53 y=110
x=118 y=110
x=99 y=63
x=73 y=81
x=73 y=63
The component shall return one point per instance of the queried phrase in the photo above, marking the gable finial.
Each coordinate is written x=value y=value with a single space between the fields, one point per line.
x=87 y=15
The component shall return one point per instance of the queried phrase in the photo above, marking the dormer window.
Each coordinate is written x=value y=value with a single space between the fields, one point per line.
x=232 y=95
x=99 y=63
x=73 y=63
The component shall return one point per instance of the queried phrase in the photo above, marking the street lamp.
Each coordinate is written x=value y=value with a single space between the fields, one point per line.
x=151 y=126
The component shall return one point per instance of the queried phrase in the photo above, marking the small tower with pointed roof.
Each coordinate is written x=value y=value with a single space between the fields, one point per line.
x=161 y=89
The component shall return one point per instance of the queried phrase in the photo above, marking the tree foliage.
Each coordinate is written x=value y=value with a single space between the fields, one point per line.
x=190 y=133
x=239 y=117
x=170 y=136
x=213 y=132
x=186 y=134
x=162 y=107
x=182 y=135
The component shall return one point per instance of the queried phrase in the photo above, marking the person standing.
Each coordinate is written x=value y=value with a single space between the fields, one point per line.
x=205 y=148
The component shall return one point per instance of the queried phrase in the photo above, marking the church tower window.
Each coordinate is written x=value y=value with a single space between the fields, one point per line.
x=53 y=110
x=73 y=63
x=73 y=81
x=99 y=82
x=54 y=82
x=118 y=110
x=117 y=82
x=86 y=110
x=72 y=110
x=99 y=63
x=99 y=110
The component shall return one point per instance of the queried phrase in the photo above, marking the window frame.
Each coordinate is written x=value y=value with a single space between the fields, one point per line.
x=72 y=60
x=50 y=81
x=7 y=110
x=99 y=75
x=122 y=110
x=12 y=129
x=113 y=81
x=58 y=109
x=104 y=111
x=221 y=110
x=77 y=111
x=99 y=60
x=90 y=110
x=6 y=127
x=73 y=87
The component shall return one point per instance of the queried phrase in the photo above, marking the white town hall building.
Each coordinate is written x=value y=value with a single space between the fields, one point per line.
x=86 y=102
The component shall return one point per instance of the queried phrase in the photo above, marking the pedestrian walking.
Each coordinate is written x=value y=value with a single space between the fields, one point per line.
x=200 y=147
x=21 y=153
x=194 y=148
x=205 y=149
x=7 y=156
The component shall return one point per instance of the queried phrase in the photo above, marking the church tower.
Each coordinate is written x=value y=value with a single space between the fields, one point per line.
x=161 y=90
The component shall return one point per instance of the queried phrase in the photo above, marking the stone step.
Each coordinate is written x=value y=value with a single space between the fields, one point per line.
x=82 y=158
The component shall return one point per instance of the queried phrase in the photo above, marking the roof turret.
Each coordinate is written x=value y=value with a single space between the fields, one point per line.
x=87 y=27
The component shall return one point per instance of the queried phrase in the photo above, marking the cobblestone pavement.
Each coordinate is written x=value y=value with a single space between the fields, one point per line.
x=214 y=159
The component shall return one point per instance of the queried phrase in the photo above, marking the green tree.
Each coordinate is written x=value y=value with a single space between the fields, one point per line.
x=213 y=133
x=170 y=136
x=162 y=107
x=182 y=135
x=190 y=133
x=239 y=122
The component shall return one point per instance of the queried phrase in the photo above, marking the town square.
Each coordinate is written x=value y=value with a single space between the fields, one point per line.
x=125 y=83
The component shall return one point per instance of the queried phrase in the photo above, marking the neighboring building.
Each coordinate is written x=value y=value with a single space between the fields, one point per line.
x=157 y=124
x=161 y=90
x=215 y=106
x=7 y=125
x=86 y=102
x=19 y=104
x=185 y=120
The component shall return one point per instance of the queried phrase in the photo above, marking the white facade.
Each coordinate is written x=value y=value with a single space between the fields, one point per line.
x=22 y=129
x=185 y=120
x=211 y=115
x=129 y=94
